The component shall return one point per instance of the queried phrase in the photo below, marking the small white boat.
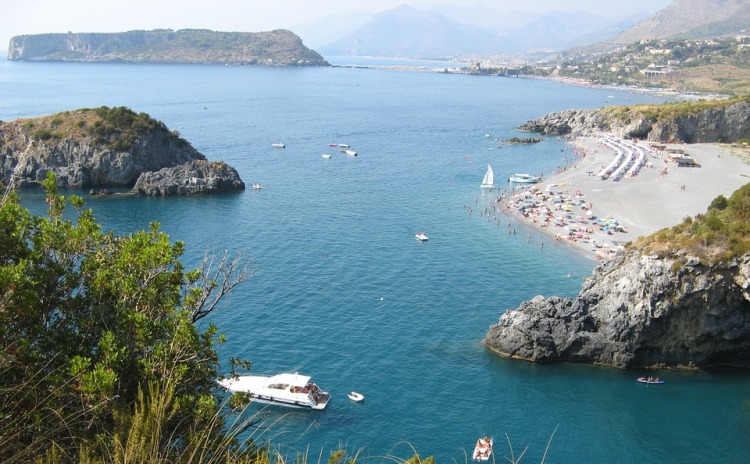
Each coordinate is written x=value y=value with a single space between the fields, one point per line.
x=278 y=145
x=344 y=145
x=325 y=156
x=257 y=186
x=524 y=179
x=358 y=397
x=489 y=178
x=289 y=390
x=482 y=450
x=350 y=152
x=650 y=380
x=422 y=237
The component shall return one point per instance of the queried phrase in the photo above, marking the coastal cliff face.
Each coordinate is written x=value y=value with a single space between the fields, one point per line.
x=710 y=125
x=273 y=48
x=101 y=148
x=637 y=311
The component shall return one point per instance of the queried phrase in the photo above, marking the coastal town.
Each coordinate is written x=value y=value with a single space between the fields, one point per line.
x=706 y=66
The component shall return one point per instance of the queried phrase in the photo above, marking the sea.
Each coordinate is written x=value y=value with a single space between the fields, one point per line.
x=341 y=290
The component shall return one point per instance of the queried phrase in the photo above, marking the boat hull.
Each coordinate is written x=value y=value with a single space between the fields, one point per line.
x=288 y=390
x=524 y=179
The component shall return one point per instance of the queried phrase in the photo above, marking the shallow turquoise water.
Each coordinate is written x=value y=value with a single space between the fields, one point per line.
x=343 y=292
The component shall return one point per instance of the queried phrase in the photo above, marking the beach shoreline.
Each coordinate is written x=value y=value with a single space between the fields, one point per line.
x=588 y=210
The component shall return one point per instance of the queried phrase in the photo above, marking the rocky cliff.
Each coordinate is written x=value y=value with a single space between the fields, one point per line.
x=102 y=148
x=680 y=122
x=189 y=179
x=638 y=310
x=274 y=48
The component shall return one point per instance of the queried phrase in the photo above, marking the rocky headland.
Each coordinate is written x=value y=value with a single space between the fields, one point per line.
x=273 y=48
x=104 y=148
x=638 y=310
x=689 y=122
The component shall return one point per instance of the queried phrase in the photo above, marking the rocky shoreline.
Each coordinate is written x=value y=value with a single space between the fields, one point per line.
x=638 y=311
x=710 y=125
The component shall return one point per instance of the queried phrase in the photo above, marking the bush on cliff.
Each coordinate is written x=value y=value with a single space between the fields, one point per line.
x=722 y=233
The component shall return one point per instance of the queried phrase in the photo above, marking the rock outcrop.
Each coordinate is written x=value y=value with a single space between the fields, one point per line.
x=717 y=123
x=104 y=148
x=272 y=48
x=638 y=311
x=192 y=178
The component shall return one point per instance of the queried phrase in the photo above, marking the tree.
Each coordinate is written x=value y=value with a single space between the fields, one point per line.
x=91 y=324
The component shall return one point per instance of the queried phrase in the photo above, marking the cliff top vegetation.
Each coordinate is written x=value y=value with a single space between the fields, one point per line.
x=116 y=128
x=662 y=112
x=721 y=234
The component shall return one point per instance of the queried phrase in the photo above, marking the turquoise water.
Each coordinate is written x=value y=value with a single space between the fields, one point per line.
x=343 y=292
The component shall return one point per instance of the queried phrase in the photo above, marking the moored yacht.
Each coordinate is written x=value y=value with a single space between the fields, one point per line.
x=289 y=390
x=524 y=179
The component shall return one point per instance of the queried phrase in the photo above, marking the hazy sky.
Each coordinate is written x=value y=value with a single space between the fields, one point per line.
x=18 y=17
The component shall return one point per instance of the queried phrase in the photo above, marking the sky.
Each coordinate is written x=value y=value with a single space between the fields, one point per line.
x=19 y=17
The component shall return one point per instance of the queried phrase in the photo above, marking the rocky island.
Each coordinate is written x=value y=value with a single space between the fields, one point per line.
x=273 y=48
x=108 y=148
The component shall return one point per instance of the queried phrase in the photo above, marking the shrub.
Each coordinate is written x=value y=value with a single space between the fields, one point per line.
x=42 y=134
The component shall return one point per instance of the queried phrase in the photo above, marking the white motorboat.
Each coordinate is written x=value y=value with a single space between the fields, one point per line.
x=257 y=186
x=489 y=178
x=278 y=145
x=358 y=397
x=524 y=179
x=350 y=152
x=289 y=390
x=421 y=236
x=483 y=449
x=325 y=156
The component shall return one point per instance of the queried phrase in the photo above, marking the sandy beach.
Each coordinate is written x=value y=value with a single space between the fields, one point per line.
x=586 y=208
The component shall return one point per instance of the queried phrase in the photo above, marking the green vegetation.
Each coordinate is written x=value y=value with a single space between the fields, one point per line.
x=668 y=111
x=102 y=360
x=120 y=127
x=722 y=233
x=116 y=128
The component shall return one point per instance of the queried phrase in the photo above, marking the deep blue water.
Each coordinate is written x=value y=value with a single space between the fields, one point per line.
x=343 y=292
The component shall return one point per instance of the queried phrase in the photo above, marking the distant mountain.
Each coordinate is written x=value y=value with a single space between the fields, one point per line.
x=692 y=19
x=330 y=28
x=406 y=32
x=559 y=31
x=447 y=31
x=274 y=48
x=492 y=20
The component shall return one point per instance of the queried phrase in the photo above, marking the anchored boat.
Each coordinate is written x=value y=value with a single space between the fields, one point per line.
x=524 y=179
x=289 y=390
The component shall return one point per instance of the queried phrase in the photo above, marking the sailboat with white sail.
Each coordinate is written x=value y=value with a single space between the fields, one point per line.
x=489 y=178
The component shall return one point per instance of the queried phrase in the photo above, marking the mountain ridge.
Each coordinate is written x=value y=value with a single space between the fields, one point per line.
x=697 y=19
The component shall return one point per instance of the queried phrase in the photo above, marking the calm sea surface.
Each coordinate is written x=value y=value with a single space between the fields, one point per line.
x=342 y=290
